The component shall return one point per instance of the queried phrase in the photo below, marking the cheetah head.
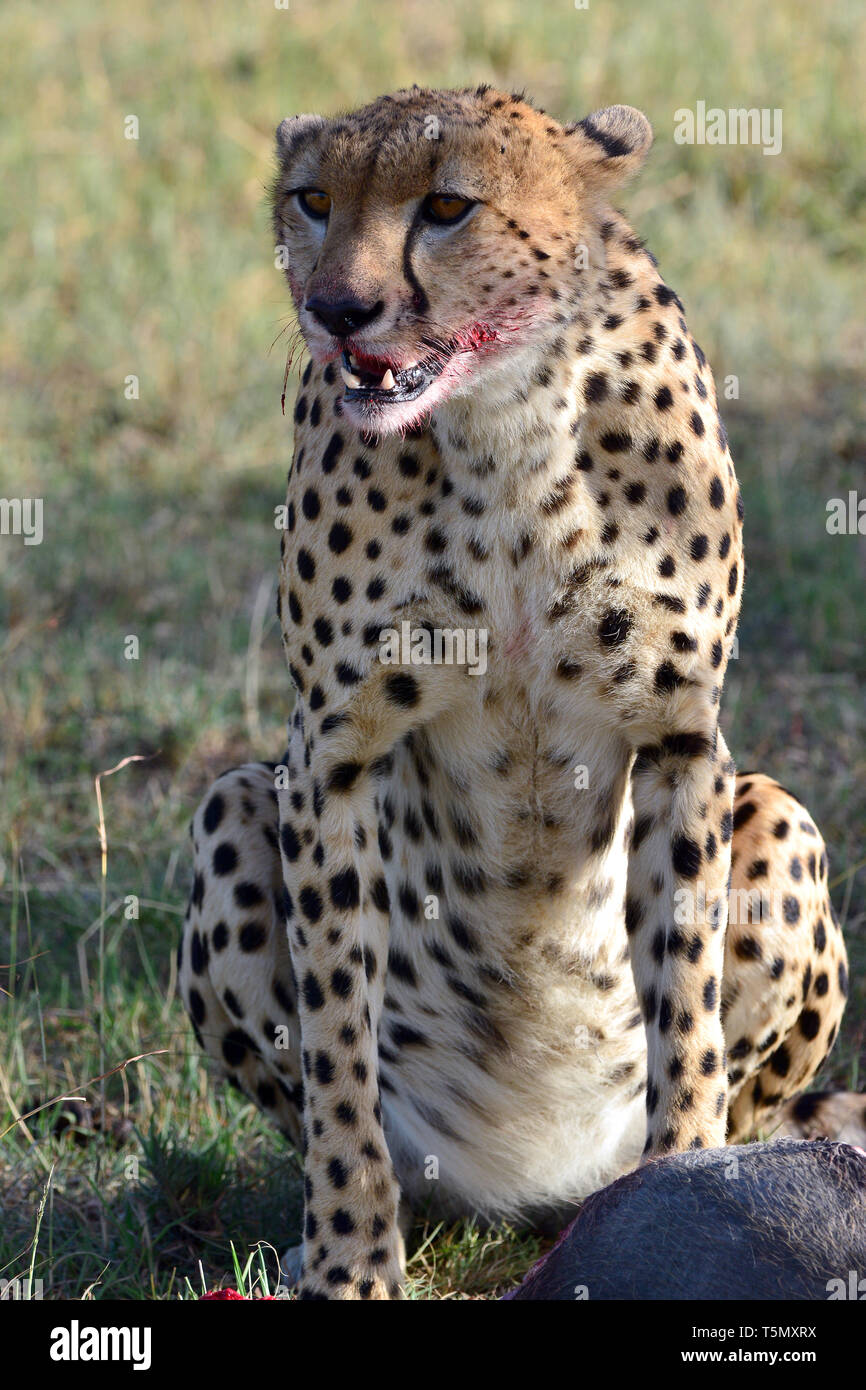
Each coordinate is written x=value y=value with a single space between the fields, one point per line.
x=434 y=241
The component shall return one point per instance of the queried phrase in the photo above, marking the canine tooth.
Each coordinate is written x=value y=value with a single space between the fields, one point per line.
x=387 y=382
x=349 y=378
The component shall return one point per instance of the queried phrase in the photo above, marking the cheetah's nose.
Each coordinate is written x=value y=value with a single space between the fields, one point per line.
x=344 y=316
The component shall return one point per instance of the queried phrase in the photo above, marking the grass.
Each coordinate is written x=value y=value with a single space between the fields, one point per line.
x=152 y=258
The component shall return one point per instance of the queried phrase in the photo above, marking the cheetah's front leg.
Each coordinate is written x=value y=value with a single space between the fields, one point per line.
x=338 y=933
x=676 y=916
x=337 y=914
x=337 y=910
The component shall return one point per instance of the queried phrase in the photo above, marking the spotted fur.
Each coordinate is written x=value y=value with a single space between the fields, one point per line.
x=479 y=928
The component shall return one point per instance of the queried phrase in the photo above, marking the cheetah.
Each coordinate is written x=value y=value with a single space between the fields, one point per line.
x=469 y=943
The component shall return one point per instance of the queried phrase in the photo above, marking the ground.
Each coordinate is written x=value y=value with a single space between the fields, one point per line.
x=154 y=258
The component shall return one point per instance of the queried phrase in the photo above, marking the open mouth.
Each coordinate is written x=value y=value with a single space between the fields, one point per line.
x=376 y=380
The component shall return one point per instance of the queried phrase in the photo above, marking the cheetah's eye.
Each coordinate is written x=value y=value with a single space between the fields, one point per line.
x=444 y=209
x=315 y=203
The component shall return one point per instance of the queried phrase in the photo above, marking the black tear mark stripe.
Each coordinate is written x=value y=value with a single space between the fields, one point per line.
x=422 y=303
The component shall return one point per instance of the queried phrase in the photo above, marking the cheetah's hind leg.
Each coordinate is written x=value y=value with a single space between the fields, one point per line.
x=786 y=974
x=234 y=972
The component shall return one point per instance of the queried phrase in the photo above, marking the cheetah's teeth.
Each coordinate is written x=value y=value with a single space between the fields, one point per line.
x=387 y=382
x=349 y=379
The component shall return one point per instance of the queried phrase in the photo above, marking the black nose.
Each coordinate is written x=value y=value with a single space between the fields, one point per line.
x=343 y=316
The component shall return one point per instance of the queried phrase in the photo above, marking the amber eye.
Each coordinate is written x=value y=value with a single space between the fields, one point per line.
x=315 y=202
x=445 y=208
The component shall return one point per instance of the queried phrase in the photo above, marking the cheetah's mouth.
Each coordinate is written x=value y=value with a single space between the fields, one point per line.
x=375 y=380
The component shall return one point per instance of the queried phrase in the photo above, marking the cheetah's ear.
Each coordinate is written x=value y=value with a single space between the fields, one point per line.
x=293 y=131
x=610 y=145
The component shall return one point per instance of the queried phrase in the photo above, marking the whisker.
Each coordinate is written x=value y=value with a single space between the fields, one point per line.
x=278 y=337
x=297 y=339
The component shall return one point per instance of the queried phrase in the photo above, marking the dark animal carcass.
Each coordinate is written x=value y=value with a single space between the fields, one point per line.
x=757 y=1221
